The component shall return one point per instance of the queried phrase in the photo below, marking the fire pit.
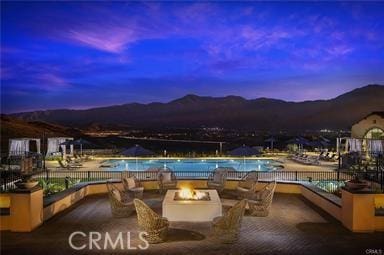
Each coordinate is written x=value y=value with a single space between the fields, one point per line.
x=191 y=205
x=187 y=194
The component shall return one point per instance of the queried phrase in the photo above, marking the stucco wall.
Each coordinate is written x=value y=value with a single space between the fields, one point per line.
x=362 y=127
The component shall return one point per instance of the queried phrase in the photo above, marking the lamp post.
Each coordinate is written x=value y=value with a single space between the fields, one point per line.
x=43 y=151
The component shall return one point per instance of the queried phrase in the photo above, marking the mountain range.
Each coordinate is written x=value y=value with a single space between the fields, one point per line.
x=192 y=111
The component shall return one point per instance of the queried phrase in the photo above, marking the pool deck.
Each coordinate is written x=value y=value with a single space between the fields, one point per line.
x=294 y=226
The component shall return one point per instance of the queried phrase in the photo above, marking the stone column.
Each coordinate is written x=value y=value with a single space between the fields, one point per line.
x=26 y=209
x=358 y=211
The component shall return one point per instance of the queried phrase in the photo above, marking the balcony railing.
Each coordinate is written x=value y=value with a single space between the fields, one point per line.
x=8 y=178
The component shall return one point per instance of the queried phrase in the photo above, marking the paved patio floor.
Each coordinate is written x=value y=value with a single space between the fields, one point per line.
x=294 y=226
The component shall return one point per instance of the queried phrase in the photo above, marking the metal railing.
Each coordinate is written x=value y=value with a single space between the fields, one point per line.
x=8 y=178
x=58 y=176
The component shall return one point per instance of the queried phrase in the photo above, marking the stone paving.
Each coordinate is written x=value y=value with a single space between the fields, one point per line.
x=295 y=226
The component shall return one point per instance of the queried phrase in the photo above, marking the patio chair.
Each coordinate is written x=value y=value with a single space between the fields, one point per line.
x=217 y=179
x=73 y=160
x=261 y=202
x=167 y=180
x=132 y=185
x=67 y=165
x=226 y=228
x=121 y=205
x=247 y=185
x=150 y=222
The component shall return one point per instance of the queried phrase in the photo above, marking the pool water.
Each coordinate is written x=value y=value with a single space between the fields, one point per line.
x=192 y=165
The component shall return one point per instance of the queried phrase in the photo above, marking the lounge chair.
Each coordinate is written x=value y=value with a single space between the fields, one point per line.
x=73 y=160
x=150 y=222
x=69 y=160
x=133 y=186
x=247 y=185
x=325 y=156
x=67 y=165
x=167 y=180
x=332 y=157
x=121 y=205
x=226 y=228
x=217 y=179
x=260 y=203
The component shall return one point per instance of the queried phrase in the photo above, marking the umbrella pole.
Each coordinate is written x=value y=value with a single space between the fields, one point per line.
x=81 y=149
x=136 y=165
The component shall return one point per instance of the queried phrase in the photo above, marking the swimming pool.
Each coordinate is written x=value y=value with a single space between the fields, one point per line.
x=187 y=164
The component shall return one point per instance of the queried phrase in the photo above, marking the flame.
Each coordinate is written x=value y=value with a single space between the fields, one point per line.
x=187 y=193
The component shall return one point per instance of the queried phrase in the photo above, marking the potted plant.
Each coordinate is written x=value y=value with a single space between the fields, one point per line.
x=356 y=183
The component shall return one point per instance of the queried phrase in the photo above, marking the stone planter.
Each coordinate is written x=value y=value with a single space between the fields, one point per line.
x=356 y=185
x=26 y=185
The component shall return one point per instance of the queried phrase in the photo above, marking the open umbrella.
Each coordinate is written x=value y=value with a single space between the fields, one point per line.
x=319 y=144
x=82 y=142
x=271 y=140
x=137 y=151
x=79 y=141
x=324 y=139
x=299 y=141
x=243 y=151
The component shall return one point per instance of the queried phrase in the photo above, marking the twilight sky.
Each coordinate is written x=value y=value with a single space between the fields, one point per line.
x=87 y=54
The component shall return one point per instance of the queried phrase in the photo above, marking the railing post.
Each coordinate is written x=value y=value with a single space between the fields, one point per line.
x=46 y=175
x=89 y=175
x=66 y=182
x=296 y=176
x=338 y=174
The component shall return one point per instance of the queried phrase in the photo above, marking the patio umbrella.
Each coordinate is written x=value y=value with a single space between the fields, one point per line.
x=243 y=151
x=137 y=151
x=299 y=141
x=271 y=140
x=319 y=144
x=80 y=142
x=324 y=139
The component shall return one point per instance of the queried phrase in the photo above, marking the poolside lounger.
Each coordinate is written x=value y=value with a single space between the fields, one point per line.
x=67 y=165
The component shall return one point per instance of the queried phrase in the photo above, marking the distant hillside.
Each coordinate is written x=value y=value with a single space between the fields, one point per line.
x=228 y=112
x=12 y=127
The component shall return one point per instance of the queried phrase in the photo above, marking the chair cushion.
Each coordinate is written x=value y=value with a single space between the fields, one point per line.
x=216 y=220
x=214 y=184
x=166 y=177
x=137 y=189
x=241 y=189
x=218 y=177
x=116 y=194
x=131 y=182
x=247 y=184
x=261 y=195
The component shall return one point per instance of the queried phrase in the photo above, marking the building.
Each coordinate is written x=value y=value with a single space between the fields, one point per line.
x=370 y=127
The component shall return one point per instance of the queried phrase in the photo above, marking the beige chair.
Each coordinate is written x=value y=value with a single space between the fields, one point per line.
x=120 y=204
x=167 y=180
x=150 y=222
x=247 y=185
x=226 y=228
x=217 y=179
x=261 y=202
x=133 y=186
